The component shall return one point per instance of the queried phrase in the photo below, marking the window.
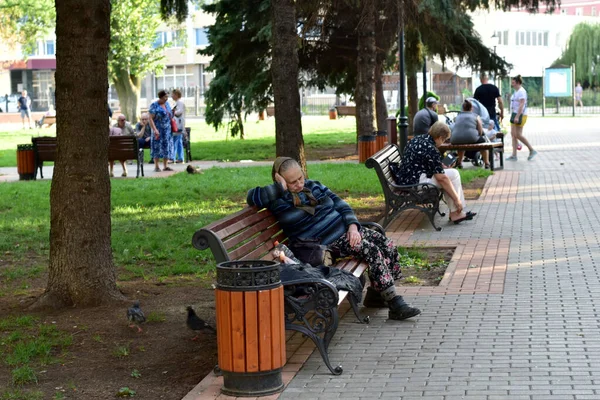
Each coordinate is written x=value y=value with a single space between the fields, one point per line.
x=175 y=76
x=579 y=11
x=201 y=38
x=563 y=11
x=505 y=38
x=531 y=38
x=593 y=11
x=171 y=39
x=50 y=47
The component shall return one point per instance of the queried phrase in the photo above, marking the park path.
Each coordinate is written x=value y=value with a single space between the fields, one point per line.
x=515 y=317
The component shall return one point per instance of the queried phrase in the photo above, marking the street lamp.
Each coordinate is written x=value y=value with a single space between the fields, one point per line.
x=403 y=122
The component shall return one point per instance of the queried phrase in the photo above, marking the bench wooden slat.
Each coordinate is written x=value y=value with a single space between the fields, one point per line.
x=243 y=235
x=242 y=226
x=221 y=224
x=249 y=247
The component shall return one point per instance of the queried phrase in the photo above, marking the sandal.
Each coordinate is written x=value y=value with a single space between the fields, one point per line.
x=458 y=165
x=167 y=169
x=157 y=169
x=487 y=166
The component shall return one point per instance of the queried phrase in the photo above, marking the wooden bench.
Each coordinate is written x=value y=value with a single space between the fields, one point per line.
x=346 y=110
x=251 y=234
x=490 y=147
x=120 y=148
x=424 y=197
x=46 y=120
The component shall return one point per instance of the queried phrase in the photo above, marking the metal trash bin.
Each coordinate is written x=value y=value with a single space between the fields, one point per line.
x=25 y=162
x=250 y=327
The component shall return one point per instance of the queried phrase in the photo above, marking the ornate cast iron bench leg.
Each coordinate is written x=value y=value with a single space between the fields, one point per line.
x=314 y=314
x=354 y=304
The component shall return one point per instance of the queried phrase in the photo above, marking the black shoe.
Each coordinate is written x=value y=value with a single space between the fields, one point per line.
x=399 y=310
x=373 y=299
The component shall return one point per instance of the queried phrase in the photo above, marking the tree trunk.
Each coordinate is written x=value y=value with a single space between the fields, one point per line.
x=380 y=104
x=365 y=70
x=81 y=270
x=129 y=90
x=413 y=98
x=284 y=69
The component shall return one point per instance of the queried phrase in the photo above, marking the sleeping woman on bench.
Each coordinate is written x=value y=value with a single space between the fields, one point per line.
x=308 y=209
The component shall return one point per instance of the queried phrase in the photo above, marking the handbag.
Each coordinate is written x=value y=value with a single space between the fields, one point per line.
x=173 y=126
x=513 y=117
x=311 y=251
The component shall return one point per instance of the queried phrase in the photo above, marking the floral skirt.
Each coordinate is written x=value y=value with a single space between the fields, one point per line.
x=376 y=250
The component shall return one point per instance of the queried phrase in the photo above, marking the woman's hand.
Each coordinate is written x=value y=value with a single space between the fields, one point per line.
x=354 y=237
x=281 y=181
x=156 y=134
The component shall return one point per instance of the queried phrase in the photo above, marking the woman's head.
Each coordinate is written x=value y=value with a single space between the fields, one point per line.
x=439 y=131
x=163 y=96
x=290 y=170
x=517 y=81
x=176 y=94
x=467 y=106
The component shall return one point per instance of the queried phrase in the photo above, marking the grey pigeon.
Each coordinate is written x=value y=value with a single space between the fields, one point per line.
x=195 y=323
x=136 y=316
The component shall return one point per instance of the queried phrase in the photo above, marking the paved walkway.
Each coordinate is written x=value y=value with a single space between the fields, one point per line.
x=515 y=317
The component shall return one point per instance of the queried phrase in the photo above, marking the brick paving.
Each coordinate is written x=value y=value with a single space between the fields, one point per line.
x=515 y=317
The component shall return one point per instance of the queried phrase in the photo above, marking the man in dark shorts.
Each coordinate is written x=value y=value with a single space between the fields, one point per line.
x=24 y=103
x=487 y=94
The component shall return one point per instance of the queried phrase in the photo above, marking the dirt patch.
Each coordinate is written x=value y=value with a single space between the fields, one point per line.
x=429 y=268
x=473 y=189
x=168 y=362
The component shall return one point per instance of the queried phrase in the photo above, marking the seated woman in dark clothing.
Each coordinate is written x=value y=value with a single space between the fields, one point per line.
x=467 y=129
x=308 y=209
x=422 y=163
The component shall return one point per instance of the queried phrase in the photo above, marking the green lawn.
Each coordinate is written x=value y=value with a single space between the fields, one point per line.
x=153 y=220
x=259 y=142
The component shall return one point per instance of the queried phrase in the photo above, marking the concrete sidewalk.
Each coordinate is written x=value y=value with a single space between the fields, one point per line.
x=516 y=317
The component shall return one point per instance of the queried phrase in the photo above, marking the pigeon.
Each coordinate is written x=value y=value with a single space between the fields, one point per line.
x=195 y=323
x=136 y=316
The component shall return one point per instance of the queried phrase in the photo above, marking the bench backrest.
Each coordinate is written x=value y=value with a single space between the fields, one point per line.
x=119 y=148
x=45 y=148
x=248 y=234
x=123 y=148
x=381 y=161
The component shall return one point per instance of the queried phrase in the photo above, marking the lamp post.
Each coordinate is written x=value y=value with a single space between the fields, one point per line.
x=403 y=123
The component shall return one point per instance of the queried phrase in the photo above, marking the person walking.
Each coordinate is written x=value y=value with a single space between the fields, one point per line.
x=25 y=108
x=518 y=118
x=487 y=94
x=579 y=95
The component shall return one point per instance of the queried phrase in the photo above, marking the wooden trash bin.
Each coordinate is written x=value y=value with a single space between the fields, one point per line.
x=366 y=147
x=333 y=113
x=250 y=327
x=381 y=140
x=25 y=162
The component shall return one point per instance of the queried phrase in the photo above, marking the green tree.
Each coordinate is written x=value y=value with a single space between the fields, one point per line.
x=239 y=44
x=23 y=21
x=583 y=50
x=81 y=270
x=133 y=25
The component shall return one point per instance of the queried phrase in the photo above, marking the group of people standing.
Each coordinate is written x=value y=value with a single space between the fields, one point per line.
x=156 y=130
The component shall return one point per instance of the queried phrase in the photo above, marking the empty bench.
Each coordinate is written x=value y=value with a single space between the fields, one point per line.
x=251 y=234
x=120 y=148
x=346 y=110
x=424 y=197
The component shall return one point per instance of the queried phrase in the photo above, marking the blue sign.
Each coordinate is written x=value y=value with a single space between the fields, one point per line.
x=558 y=82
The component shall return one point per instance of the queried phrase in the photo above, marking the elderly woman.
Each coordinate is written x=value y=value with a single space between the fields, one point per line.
x=179 y=111
x=467 y=129
x=160 y=121
x=422 y=163
x=308 y=209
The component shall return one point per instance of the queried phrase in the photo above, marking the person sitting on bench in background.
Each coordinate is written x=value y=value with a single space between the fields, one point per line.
x=50 y=113
x=468 y=129
x=422 y=163
x=143 y=131
x=425 y=118
x=308 y=209
x=121 y=128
